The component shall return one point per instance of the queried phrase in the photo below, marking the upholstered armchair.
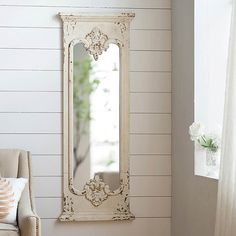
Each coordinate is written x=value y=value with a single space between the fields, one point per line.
x=15 y=164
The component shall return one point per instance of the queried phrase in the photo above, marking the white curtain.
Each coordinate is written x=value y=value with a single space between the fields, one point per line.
x=226 y=203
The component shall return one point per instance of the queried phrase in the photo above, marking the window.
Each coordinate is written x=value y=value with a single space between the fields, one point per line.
x=211 y=34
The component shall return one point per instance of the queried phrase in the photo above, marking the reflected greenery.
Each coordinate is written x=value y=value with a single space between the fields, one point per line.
x=83 y=87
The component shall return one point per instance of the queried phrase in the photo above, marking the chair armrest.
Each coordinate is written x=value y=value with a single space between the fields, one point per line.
x=28 y=221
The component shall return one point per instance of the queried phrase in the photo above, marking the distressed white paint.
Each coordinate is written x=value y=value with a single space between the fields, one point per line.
x=94 y=202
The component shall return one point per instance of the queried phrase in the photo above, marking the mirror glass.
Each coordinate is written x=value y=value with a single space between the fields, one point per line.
x=96 y=116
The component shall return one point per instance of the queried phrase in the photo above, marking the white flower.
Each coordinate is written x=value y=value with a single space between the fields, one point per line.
x=195 y=131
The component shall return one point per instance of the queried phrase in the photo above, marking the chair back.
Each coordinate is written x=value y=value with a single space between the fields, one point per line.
x=14 y=163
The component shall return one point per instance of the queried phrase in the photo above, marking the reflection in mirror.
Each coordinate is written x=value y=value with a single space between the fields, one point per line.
x=96 y=116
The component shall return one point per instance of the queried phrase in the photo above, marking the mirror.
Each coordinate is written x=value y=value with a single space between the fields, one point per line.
x=96 y=116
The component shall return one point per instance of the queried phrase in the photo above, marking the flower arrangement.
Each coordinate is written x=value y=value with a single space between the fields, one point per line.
x=207 y=141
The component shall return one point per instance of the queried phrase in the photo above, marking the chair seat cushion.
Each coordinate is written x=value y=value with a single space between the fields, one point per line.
x=8 y=233
x=8 y=230
x=8 y=227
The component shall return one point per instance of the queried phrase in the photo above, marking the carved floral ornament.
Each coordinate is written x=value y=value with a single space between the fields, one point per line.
x=96 y=42
x=96 y=191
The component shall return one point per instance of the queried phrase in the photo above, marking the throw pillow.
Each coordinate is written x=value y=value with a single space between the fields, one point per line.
x=10 y=193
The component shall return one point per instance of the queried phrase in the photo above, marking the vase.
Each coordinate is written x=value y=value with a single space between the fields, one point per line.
x=212 y=163
x=211 y=158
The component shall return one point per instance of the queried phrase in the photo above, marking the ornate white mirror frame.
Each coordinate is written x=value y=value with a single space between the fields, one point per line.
x=96 y=201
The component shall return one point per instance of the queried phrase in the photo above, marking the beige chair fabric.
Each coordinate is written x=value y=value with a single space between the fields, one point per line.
x=8 y=230
x=17 y=163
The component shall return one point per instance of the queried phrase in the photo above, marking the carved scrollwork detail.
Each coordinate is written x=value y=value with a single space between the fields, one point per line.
x=71 y=187
x=122 y=211
x=96 y=191
x=70 y=27
x=122 y=26
x=96 y=42
x=68 y=206
x=91 y=182
x=68 y=209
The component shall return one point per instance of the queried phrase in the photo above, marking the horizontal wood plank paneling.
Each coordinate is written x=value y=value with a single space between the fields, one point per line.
x=47 y=165
x=51 y=102
x=49 y=207
x=31 y=38
x=150 y=82
x=151 y=206
x=30 y=102
x=48 y=17
x=150 y=40
x=150 y=103
x=138 y=227
x=150 y=123
x=52 y=81
x=52 y=123
x=50 y=38
x=150 y=165
x=11 y=59
x=150 y=144
x=150 y=186
x=31 y=107
x=140 y=206
x=139 y=185
x=47 y=187
x=31 y=123
x=35 y=143
x=31 y=80
x=150 y=61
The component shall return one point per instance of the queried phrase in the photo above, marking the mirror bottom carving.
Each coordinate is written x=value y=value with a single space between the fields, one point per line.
x=122 y=212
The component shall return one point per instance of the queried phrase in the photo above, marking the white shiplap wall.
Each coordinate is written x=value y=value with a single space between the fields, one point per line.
x=31 y=106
